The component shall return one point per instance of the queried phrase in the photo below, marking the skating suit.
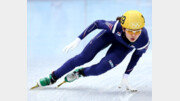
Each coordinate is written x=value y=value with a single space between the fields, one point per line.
x=113 y=35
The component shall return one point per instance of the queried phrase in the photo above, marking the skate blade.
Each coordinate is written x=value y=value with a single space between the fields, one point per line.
x=132 y=90
x=36 y=86
x=61 y=84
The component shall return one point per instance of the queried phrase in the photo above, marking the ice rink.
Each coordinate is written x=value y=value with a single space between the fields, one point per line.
x=53 y=24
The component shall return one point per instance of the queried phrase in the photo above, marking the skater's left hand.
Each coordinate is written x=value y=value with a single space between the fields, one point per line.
x=124 y=83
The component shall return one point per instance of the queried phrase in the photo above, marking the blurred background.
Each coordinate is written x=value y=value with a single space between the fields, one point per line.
x=53 y=24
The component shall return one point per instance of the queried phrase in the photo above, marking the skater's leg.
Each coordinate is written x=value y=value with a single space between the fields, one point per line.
x=94 y=46
x=113 y=57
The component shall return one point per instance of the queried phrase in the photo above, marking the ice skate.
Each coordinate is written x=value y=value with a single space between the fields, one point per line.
x=72 y=76
x=45 y=81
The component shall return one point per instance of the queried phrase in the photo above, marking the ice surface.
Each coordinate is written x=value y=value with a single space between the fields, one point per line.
x=54 y=24
x=97 y=88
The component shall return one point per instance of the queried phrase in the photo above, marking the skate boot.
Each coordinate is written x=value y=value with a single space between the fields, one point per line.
x=73 y=76
x=46 y=81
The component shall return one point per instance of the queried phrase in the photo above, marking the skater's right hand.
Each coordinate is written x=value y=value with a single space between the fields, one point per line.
x=72 y=45
x=125 y=83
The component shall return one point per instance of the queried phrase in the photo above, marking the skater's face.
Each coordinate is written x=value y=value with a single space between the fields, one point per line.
x=132 y=35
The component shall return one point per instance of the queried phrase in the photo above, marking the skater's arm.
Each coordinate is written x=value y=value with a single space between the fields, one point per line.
x=98 y=24
x=135 y=58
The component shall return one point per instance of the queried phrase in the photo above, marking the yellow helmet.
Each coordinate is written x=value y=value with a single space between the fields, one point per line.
x=132 y=20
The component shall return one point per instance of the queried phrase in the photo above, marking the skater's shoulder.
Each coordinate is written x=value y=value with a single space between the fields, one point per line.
x=143 y=39
x=144 y=35
x=144 y=31
x=105 y=21
x=116 y=26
